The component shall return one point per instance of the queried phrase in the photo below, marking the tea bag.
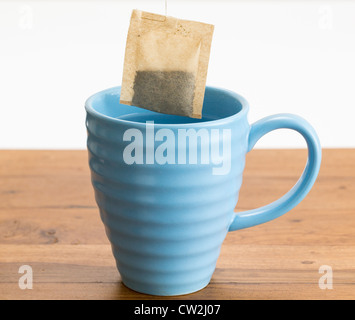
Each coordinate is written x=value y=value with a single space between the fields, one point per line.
x=166 y=63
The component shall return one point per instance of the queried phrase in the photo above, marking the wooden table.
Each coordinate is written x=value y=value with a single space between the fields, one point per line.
x=49 y=221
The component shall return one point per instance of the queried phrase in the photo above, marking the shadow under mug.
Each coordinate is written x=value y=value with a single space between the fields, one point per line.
x=166 y=217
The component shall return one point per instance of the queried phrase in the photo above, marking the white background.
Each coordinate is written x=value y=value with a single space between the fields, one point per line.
x=282 y=56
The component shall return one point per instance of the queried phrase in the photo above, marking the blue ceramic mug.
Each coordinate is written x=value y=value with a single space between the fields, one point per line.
x=167 y=186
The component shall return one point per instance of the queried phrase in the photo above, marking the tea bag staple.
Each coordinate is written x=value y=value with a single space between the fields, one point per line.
x=166 y=62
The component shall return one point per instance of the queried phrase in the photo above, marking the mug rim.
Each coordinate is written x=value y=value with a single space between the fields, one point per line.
x=242 y=112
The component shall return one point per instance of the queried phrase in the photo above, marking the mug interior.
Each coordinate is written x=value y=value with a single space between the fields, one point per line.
x=218 y=104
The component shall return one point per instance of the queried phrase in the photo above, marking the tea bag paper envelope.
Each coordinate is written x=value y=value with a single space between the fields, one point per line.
x=166 y=62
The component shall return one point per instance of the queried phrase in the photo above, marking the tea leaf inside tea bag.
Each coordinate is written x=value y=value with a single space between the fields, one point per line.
x=171 y=91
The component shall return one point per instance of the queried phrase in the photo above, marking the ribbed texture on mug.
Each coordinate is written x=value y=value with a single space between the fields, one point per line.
x=166 y=223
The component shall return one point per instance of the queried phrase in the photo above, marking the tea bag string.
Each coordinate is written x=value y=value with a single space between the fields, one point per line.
x=166 y=7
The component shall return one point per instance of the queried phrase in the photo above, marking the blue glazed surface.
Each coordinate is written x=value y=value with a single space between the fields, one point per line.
x=166 y=223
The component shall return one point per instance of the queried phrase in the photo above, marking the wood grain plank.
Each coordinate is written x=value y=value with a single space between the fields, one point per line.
x=51 y=226
x=243 y=256
x=83 y=226
x=66 y=191
x=262 y=271
x=214 y=291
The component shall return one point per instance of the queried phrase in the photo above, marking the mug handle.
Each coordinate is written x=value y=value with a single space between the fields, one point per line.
x=293 y=197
